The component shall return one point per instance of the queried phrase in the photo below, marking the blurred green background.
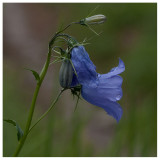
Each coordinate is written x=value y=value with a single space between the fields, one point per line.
x=130 y=33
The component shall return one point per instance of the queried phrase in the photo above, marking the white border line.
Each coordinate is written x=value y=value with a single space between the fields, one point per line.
x=82 y=1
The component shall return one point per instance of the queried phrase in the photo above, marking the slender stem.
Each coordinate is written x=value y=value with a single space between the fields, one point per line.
x=28 y=122
x=69 y=25
x=42 y=75
x=77 y=102
x=51 y=107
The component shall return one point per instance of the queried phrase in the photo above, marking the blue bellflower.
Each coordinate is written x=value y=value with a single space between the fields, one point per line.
x=102 y=90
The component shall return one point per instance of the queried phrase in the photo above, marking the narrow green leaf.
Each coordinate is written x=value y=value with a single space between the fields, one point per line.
x=36 y=75
x=93 y=10
x=60 y=27
x=19 y=130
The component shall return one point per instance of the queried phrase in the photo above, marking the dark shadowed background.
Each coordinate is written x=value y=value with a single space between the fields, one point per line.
x=130 y=33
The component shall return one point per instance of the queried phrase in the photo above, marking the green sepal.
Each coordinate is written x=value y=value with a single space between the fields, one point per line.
x=82 y=22
x=19 y=130
x=36 y=75
x=72 y=42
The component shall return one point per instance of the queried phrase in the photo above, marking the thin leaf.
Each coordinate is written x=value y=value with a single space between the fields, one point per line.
x=93 y=37
x=56 y=61
x=36 y=75
x=92 y=30
x=57 y=52
x=60 y=27
x=19 y=130
x=73 y=68
x=93 y=10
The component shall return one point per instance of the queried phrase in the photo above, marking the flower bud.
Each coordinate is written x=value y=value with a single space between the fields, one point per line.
x=96 y=19
x=66 y=74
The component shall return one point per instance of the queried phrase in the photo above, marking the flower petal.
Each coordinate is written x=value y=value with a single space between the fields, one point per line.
x=96 y=96
x=110 y=87
x=85 y=69
x=102 y=90
x=112 y=82
x=116 y=70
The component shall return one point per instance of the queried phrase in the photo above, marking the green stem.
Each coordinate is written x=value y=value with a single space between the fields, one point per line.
x=51 y=106
x=42 y=75
x=19 y=147
x=77 y=102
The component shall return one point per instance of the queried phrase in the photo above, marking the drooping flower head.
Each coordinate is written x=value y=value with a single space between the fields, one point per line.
x=102 y=90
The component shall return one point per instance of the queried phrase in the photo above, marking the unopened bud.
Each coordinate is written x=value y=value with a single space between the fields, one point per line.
x=96 y=19
x=66 y=74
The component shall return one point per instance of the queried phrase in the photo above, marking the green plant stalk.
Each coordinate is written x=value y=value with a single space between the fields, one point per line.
x=51 y=106
x=42 y=75
x=21 y=143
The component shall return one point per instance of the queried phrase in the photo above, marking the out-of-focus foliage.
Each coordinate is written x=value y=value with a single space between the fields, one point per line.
x=130 y=33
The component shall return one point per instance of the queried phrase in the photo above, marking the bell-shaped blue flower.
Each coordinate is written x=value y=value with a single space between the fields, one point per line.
x=102 y=90
x=85 y=69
